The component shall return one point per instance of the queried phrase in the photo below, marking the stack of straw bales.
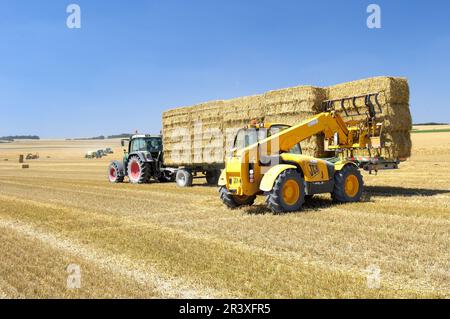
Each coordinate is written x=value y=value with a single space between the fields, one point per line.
x=192 y=134
x=198 y=125
x=294 y=105
x=176 y=132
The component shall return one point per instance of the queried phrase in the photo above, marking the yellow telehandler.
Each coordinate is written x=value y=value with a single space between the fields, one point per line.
x=267 y=158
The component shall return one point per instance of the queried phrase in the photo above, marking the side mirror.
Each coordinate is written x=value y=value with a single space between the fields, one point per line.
x=122 y=142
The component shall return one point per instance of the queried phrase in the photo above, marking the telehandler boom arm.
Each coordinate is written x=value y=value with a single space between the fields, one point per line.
x=330 y=123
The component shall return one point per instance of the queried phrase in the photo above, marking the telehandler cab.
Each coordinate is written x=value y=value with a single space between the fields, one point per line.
x=267 y=159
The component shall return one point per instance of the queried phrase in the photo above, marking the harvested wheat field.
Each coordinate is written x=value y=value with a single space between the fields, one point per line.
x=159 y=241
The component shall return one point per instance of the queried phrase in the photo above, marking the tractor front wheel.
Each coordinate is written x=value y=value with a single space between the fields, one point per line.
x=348 y=185
x=288 y=192
x=235 y=201
x=115 y=173
x=138 y=171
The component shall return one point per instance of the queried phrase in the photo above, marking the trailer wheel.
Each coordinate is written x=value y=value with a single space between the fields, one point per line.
x=288 y=192
x=139 y=172
x=115 y=174
x=184 y=178
x=348 y=185
x=235 y=201
x=212 y=177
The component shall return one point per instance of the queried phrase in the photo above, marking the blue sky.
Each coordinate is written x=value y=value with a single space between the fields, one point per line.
x=131 y=60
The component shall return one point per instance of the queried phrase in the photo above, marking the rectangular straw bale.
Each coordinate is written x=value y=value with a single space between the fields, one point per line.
x=393 y=90
x=294 y=100
x=293 y=105
x=240 y=111
x=207 y=122
x=397 y=146
x=176 y=129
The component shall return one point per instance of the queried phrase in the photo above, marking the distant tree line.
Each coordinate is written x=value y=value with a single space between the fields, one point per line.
x=430 y=123
x=101 y=137
x=19 y=137
x=123 y=135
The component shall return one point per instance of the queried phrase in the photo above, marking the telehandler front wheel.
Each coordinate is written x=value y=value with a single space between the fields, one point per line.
x=288 y=192
x=235 y=201
x=348 y=185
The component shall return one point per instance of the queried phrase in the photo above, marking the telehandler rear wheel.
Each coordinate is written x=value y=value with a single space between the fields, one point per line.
x=348 y=185
x=138 y=171
x=235 y=201
x=288 y=192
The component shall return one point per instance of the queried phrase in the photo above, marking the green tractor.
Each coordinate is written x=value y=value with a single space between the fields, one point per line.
x=142 y=162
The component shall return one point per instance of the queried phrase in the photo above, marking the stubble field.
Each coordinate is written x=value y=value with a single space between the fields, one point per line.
x=159 y=241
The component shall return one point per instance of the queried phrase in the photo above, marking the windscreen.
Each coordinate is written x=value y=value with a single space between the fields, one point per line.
x=247 y=137
x=153 y=144
x=250 y=136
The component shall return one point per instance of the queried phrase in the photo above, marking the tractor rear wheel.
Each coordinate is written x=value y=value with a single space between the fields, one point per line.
x=288 y=192
x=235 y=201
x=139 y=172
x=115 y=174
x=212 y=177
x=184 y=178
x=348 y=185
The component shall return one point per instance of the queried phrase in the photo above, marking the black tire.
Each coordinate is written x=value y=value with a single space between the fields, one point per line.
x=212 y=177
x=164 y=179
x=115 y=172
x=235 y=201
x=139 y=172
x=184 y=178
x=349 y=175
x=275 y=199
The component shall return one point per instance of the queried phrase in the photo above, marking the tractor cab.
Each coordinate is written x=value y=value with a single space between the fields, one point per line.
x=150 y=144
